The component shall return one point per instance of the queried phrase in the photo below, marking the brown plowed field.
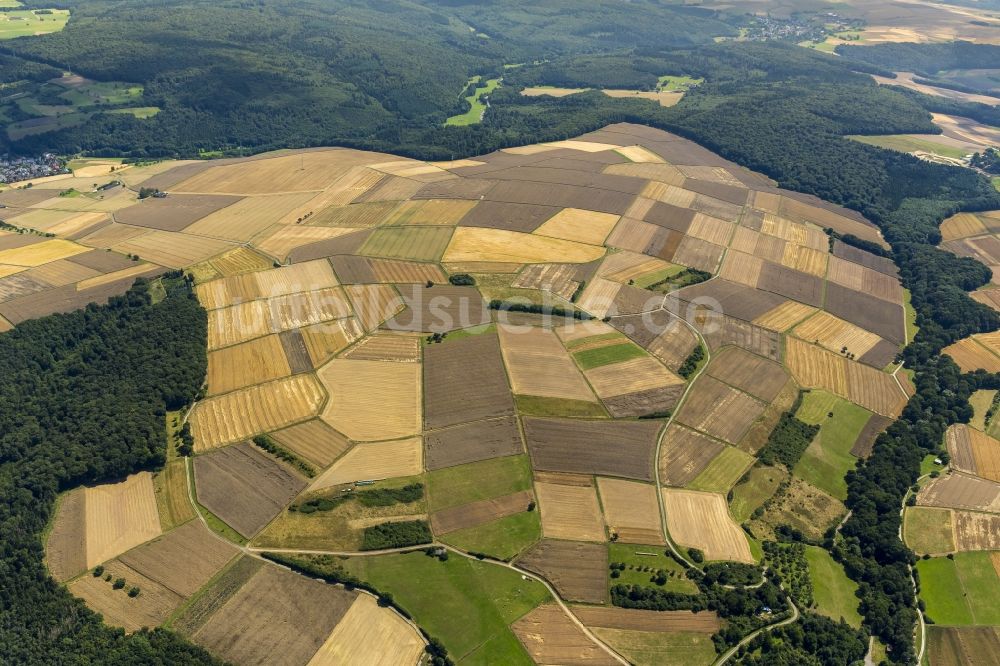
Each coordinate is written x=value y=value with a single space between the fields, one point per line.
x=239 y=366
x=874 y=390
x=748 y=372
x=673 y=345
x=471 y=442
x=242 y=414
x=702 y=520
x=865 y=442
x=792 y=284
x=539 y=365
x=216 y=595
x=961 y=491
x=760 y=430
x=623 y=448
x=370 y=635
x=295 y=351
x=464 y=380
x=314 y=440
x=372 y=400
x=173 y=213
x=439 y=309
x=150 y=609
x=278 y=618
x=685 y=454
x=372 y=462
x=706 y=622
x=642 y=403
x=866 y=259
x=719 y=410
x=631 y=510
x=963 y=646
x=524 y=218
x=550 y=637
x=477 y=513
x=244 y=486
x=869 y=312
x=632 y=234
x=866 y=280
x=976 y=531
x=696 y=253
x=578 y=571
x=570 y=512
x=183 y=560
x=66 y=548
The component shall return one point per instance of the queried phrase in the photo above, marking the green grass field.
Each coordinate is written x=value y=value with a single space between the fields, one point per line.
x=103 y=92
x=533 y=405
x=140 y=112
x=613 y=335
x=467 y=604
x=833 y=591
x=980 y=401
x=928 y=530
x=4 y=4
x=657 y=648
x=678 y=83
x=25 y=23
x=907 y=143
x=455 y=486
x=658 y=276
x=475 y=113
x=829 y=458
x=19 y=130
x=996 y=182
x=960 y=591
x=589 y=359
x=757 y=489
x=628 y=553
x=725 y=470
x=505 y=538
x=911 y=316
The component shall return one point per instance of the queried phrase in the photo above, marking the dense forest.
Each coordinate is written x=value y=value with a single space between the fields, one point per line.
x=83 y=400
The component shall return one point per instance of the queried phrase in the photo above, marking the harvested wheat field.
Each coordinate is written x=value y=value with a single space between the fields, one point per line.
x=813 y=367
x=971 y=356
x=836 y=334
x=244 y=486
x=977 y=531
x=119 y=516
x=172 y=501
x=182 y=560
x=539 y=365
x=174 y=250
x=372 y=400
x=719 y=410
x=578 y=570
x=685 y=454
x=631 y=510
x=582 y=226
x=705 y=622
x=246 y=321
x=702 y=520
x=558 y=279
x=247 y=412
x=65 y=547
x=962 y=646
x=386 y=347
x=374 y=303
x=370 y=635
x=37 y=254
x=973 y=451
x=308 y=276
x=281 y=241
x=498 y=245
x=240 y=260
x=570 y=512
x=277 y=617
x=239 y=366
x=550 y=637
x=374 y=461
x=325 y=340
x=314 y=441
x=621 y=448
x=784 y=316
x=961 y=491
x=748 y=372
x=637 y=374
x=248 y=217
x=150 y=608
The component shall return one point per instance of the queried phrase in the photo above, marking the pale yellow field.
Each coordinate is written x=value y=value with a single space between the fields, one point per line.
x=408 y=168
x=132 y=271
x=282 y=281
x=582 y=226
x=639 y=155
x=369 y=635
x=481 y=244
x=284 y=239
x=578 y=330
x=823 y=218
x=538 y=365
x=325 y=340
x=62 y=272
x=373 y=461
x=665 y=98
x=711 y=229
x=637 y=374
x=119 y=516
x=835 y=334
x=373 y=400
x=430 y=211
x=11 y=270
x=57 y=222
x=670 y=194
x=389 y=347
x=133 y=176
x=599 y=296
x=5 y=325
x=174 y=250
x=702 y=520
x=962 y=225
x=245 y=321
x=350 y=186
x=545 y=91
x=239 y=366
x=742 y=268
x=626 y=265
x=570 y=512
x=248 y=217
x=41 y=253
x=374 y=303
x=239 y=415
x=795 y=232
x=631 y=510
x=784 y=316
x=814 y=367
x=582 y=146
x=663 y=173
x=970 y=356
x=113 y=235
x=240 y=260
x=632 y=234
x=805 y=259
x=301 y=172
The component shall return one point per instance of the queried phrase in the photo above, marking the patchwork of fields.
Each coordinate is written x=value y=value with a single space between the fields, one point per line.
x=628 y=318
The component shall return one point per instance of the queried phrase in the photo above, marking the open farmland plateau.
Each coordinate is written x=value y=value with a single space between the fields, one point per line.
x=375 y=382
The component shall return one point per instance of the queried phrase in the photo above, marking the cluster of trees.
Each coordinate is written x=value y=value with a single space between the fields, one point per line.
x=534 y=308
x=84 y=400
x=396 y=535
x=988 y=161
x=789 y=439
x=787 y=563
x=690 y=364
x=813 y=640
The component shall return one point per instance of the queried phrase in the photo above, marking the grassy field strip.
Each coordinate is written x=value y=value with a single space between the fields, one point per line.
x=475 y=113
